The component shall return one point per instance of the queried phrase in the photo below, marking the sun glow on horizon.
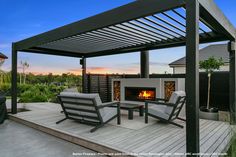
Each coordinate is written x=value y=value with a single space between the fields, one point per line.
x=89 y=70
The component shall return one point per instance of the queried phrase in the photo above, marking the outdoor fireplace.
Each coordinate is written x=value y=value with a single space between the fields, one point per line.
x=140 y=93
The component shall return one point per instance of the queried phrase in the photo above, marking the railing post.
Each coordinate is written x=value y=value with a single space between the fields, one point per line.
x=232 y=81
x=14 y=80
x=192 y=77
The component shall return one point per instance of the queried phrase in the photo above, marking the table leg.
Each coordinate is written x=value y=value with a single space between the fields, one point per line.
x=130 y=114
x=141 y=111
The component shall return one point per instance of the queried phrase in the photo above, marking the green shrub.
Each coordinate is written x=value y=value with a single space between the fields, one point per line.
x=33 y=93
x=21 y=88
x=33 y=96
x=39 y=93
x=5 y=89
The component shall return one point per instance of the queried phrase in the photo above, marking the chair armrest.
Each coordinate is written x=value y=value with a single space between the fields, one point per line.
x=109 y=104
x=159 y=103
x=161 y=99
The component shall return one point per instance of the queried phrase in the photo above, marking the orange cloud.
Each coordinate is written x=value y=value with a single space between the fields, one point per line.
x=97 y=70
x=37 y=70
x=105 y=70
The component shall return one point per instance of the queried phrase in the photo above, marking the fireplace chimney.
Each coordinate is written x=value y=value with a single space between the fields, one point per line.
x=144 y=61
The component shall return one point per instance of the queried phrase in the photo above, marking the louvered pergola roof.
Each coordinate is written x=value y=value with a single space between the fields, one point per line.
x=141 y=25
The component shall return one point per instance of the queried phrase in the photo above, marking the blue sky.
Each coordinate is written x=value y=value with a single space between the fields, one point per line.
x=21 y=19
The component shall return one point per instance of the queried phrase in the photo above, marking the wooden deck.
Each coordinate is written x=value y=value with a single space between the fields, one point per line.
x=133 y=136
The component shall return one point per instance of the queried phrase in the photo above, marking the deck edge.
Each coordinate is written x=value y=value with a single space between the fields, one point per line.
x=70 y=138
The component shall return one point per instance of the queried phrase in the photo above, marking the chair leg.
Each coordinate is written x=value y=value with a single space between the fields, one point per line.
x=118 y=113
x=181 y=119
x=95 y=128
x=61 y=120
x=146 y=112
x=181 y=126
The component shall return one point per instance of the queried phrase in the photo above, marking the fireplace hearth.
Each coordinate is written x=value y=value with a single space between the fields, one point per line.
x=140 y=93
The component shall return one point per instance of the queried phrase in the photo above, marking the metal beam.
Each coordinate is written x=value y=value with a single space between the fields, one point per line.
x=140 y=8
x=48 y=51
x=14 y=81
x=144 y=64
x=192 y=77
x=213 y=16
x=232 y=81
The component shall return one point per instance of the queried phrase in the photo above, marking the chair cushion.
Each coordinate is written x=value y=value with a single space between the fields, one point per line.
x=71 y=90
x=173 y=99
x=158 y=110
x=107 y=113
x=78 y=97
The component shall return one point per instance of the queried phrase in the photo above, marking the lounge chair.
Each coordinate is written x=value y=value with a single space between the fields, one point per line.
x=166 y=111
x=88 y=109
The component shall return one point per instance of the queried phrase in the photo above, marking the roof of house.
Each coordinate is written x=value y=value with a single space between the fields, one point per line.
x=217 y=51
x=3 y=56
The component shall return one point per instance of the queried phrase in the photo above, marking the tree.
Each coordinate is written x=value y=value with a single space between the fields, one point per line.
x=50 y=78
x=24 y=65
x=2 y=73
x=210 y=65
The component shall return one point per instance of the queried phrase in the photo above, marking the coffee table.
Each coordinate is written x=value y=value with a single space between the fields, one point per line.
x=131 y=107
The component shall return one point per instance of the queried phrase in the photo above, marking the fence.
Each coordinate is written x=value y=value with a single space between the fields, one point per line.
x=100 y=83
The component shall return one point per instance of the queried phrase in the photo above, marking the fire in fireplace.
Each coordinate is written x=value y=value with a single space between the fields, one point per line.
x=146 y=94
x=140 y=93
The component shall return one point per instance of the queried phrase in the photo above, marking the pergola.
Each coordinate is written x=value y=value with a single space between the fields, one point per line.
x=141 y=26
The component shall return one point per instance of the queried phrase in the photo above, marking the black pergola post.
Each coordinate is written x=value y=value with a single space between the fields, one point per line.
x=192 y=77
x=232 y=81
x=83 y=63
x=14 y=80
x=144 y=66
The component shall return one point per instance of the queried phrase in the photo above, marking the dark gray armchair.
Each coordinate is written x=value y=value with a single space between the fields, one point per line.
x=88 y=109
x=166 y=111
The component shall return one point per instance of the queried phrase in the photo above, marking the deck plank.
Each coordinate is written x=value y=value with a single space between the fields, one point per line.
x=177 y=145
x=204 y=134
x=171 y=141
x=222 y=134
x=221 y=148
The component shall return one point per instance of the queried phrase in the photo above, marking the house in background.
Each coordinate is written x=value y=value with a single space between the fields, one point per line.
x=218 y=51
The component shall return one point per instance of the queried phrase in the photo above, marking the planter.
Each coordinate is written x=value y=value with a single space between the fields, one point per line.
x=224 y=116
x=210 y=114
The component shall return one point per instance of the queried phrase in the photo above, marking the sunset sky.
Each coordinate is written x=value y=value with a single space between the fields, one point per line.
x=21 y=19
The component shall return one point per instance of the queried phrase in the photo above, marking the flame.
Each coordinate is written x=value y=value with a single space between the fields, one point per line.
x=146 y=94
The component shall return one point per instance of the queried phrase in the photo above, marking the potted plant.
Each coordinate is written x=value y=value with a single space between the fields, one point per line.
x=210 y=65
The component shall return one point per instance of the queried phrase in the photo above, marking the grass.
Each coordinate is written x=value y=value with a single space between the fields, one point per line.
x=232 y=150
